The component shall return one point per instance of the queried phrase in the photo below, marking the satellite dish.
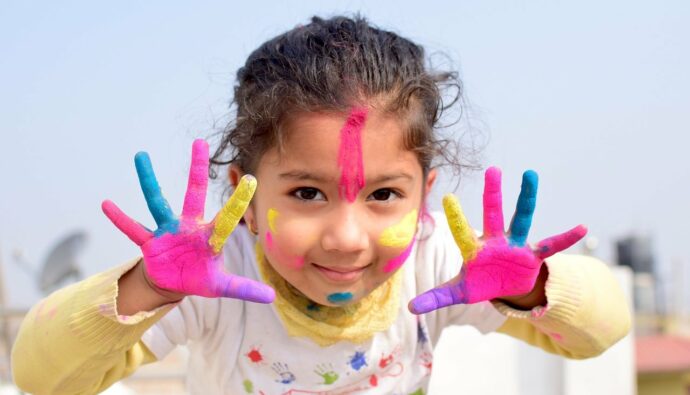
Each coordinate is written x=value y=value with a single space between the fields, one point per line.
x=61 y=263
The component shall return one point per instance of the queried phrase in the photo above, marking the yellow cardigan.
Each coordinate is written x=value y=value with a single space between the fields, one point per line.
x=74 y=342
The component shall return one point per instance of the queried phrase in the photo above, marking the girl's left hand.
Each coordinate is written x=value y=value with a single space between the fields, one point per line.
x=497 y=265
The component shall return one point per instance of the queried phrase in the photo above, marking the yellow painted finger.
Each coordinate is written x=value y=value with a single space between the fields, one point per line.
x=228 y=217
x=462 y=232
x=400 y=234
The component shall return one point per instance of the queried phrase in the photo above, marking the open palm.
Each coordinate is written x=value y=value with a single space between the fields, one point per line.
x=498 y=264
x=184 y=254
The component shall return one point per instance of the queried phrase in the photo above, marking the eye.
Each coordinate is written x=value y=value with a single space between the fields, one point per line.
x=384 y=195
x=307 y=194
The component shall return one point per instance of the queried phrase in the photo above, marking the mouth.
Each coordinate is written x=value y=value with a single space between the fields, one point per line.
x=341 y=274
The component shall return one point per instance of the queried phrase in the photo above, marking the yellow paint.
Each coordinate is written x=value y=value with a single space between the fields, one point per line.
x=462 y=232
x=228 y=217
x=400 y=234
x=272 y=214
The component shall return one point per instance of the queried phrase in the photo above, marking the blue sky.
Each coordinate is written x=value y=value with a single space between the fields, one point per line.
x=592 y=95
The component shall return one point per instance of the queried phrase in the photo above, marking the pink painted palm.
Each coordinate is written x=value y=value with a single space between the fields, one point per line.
x=184 y=255
x=498 y=264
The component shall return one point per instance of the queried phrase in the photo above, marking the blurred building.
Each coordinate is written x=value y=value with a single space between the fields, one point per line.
x=663 y=365
x=636 y=253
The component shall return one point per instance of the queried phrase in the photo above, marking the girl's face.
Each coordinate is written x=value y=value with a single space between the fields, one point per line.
x=337 y=210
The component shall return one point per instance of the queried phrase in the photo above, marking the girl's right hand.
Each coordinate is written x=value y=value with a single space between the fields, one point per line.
x=184 y=255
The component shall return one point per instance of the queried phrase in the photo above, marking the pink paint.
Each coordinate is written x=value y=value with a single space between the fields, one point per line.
x=269 y=241
x=195 y=198
x=493 y=203
x=183 y=261
x=554 y=244
x=557 y=336
x=350 y=155
x=398 y=261
x=299 y=262
x=499 y=269
x=131 y=228
x=539 y=311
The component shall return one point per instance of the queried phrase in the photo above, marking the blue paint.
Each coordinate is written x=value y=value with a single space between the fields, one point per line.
x=340 y=297
x=158 y=206
x=524 y=211
x=358 y=360
x=313 y=307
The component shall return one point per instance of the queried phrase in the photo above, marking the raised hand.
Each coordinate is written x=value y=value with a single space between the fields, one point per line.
x=496 y=265
x=183 y=255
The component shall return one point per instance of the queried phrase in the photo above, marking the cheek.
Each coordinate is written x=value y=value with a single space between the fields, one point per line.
x=398 y=241
x=286 y=241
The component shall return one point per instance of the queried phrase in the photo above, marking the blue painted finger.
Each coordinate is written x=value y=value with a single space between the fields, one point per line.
x=158 y=206
x=527 y=201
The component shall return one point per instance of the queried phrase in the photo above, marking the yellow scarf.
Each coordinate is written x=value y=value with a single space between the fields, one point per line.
x=325 y=325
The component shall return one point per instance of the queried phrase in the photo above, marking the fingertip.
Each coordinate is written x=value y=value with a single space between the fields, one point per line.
x=248 y=178
x=260 y=293
x=200 y=146
x=530 y=177
x=141 y=156
x=492 y=172
x=422 y=304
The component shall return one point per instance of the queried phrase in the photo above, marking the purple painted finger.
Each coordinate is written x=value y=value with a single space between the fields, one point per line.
x=444 y=295
x=493 y=203
x=195 y=198
x=131 y=228
x=232 y=286
x=558 y=243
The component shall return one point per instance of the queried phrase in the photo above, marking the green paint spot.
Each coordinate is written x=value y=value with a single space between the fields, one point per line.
x=329 y=377
x=248 y=386
x=418 y=392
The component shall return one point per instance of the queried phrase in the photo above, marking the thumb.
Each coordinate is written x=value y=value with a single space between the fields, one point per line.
x=449 y=293
x=237 y=287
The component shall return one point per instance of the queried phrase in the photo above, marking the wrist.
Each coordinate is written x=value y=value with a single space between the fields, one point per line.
x=165 y=295
x=536 y=297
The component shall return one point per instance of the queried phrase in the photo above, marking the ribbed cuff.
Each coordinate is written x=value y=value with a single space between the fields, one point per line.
x=94 y=316
x=563 y=295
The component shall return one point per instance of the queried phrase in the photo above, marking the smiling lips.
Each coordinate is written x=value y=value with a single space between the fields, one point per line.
x=341 y=274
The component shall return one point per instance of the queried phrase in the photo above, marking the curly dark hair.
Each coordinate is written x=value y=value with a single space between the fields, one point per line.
x=333 y=65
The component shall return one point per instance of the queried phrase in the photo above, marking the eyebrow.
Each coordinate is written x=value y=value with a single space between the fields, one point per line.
x=300 y=175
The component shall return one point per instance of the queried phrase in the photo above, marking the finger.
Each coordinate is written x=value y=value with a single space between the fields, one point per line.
x=462 y=232
x=158 y=206
x=441 y=296
x=195 y=198
x=230 y=214
x=493 y=203
x=232 y=286
x=558 y=243
x=527 y=201
x=131 y=228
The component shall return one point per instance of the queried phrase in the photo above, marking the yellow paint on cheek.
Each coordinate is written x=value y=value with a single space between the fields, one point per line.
x=271 y=215
x=400 y=234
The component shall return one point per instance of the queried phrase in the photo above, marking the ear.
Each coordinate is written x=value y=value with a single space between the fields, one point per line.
x=234 y=174
x=430 y=180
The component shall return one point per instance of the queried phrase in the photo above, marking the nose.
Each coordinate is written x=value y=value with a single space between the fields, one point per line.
x=345 y=231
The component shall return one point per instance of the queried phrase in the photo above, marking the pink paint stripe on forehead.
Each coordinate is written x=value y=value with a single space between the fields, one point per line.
x=350 y=155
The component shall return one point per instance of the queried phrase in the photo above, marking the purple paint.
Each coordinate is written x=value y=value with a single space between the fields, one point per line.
x=182 y=260
x=350 y=155
x=499 y=269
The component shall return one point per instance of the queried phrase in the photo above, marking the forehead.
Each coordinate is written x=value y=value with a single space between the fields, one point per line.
x=312 y=140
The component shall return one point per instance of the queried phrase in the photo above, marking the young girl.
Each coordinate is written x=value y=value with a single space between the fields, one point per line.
x=332 y=155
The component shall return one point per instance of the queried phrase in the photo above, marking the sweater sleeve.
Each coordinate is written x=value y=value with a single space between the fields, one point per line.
x=74 y=342
x=586 y=311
